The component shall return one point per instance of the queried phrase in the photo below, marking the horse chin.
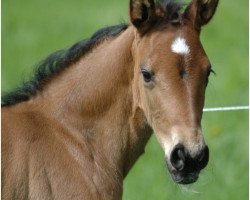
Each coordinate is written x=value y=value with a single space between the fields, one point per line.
x=182 y=177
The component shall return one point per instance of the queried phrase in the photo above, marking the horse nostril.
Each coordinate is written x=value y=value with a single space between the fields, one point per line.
x=183 y=162
x=177 y=157
x=203 y=158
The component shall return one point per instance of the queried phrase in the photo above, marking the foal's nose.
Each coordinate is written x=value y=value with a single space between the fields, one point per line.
x=183 y=162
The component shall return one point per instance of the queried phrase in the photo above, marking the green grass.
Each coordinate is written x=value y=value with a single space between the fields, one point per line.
x=32 y=29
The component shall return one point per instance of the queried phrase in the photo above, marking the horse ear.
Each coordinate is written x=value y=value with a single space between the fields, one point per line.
x=200 y=12
x=142 y=13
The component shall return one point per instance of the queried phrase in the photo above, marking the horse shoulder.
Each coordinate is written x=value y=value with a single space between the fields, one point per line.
x=40 y=159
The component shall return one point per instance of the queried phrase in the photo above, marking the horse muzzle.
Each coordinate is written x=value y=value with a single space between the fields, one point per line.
x=184 y=168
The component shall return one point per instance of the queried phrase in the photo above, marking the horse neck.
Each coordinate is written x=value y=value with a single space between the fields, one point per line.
x=93 y=99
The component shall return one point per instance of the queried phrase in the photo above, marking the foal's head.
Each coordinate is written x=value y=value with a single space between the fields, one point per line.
x=171 y=75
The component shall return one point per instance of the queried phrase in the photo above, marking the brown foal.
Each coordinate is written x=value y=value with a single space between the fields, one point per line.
x=77 y=128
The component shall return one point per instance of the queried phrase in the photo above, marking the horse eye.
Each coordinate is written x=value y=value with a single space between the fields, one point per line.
x=147 y=76
x=210 y=71
x=208 y=74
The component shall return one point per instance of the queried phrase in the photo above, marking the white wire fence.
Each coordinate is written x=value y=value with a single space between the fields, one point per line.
x=233 y=108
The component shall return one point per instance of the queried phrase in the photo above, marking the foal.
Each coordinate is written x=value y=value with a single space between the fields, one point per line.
x=75 y=130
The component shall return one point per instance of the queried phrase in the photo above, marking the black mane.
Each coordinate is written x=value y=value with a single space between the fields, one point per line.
x=169 y=10
x=56 y=63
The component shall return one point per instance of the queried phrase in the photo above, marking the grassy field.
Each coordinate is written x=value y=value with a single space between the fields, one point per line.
x=32 y=29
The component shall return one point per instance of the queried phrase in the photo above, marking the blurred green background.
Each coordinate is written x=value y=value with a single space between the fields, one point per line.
x=32 y=29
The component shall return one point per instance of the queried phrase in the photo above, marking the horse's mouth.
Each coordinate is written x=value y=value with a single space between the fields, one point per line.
x=183 y=167
x=184 y=179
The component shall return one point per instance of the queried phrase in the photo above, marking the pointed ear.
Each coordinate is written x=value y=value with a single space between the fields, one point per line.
x=200 y=12
x=142 y=13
